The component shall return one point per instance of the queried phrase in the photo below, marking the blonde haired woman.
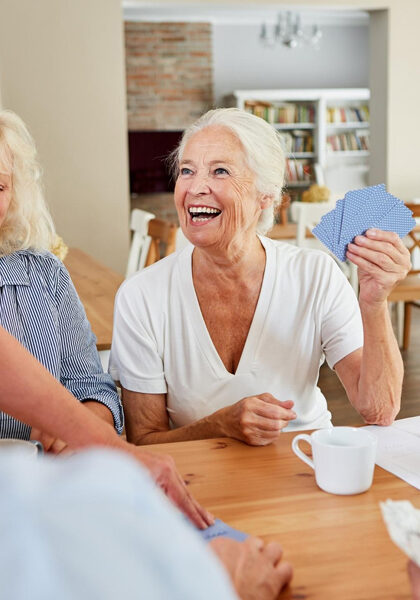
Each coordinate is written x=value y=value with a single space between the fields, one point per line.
x=38 y=303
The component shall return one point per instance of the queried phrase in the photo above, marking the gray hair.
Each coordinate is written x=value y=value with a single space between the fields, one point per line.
x=28 y=223
x=263 y=150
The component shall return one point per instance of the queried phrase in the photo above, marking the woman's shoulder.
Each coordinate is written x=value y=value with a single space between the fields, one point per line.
x=155 y=278
x=39 y=259
x=309 y=266
x=43 y=268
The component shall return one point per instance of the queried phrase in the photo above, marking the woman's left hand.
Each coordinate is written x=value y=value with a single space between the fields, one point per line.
x=382 y=261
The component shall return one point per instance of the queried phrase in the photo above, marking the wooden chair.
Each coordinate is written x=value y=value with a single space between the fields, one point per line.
x=160 y=232
x=408 y=291
x=140 y=241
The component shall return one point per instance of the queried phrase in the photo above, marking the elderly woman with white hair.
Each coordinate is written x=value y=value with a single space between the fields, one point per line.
x=38 y=303
x=226 y=337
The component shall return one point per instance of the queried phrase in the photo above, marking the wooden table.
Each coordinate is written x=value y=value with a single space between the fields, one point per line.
x=339 y=546
x=96 y=285
x=285 y=232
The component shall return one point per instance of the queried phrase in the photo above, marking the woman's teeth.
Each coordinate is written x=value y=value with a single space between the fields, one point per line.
x=203 y=213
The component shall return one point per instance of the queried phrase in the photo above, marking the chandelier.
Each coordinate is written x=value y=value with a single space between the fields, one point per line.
x=289 y=32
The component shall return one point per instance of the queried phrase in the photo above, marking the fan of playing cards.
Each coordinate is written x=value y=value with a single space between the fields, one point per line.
x=358 y=211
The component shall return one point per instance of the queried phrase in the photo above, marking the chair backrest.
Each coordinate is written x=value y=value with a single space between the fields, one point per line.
x=160 y=232
x=307 y=215
x=140 y=241
x=413 y=239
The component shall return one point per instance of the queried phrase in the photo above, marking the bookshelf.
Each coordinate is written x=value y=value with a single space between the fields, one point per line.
x=326 y=127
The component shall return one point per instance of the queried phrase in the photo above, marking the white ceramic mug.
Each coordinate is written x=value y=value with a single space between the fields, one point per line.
x=343 y=458
x=27 y=447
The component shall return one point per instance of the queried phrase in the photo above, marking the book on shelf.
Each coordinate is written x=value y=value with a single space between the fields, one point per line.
x=347 y=114
x=297 y=141
x=299 y=170
x=345 y=142
x=285 y=113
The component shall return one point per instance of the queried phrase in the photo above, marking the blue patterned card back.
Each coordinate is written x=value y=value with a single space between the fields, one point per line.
x=221 y=529
x=324 y=231
x=362 y=209
x=358 y=211
x=399 y=219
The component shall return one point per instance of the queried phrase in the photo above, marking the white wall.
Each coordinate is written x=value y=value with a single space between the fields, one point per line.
x=62 y=70
x=378 y=42
x=241 y=62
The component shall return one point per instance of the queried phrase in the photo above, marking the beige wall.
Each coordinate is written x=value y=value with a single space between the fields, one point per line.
x=62 y=70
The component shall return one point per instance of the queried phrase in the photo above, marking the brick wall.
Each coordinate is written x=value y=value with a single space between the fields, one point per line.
x=169 y=74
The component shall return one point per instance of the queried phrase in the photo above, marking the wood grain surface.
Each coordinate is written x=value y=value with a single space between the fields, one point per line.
x=96 y=285
x=339 y=546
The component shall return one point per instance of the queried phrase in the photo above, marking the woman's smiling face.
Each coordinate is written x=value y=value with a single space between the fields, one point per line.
x=215 y=193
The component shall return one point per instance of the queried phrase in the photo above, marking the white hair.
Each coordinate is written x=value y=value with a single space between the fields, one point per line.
x=28 y=223
x=263 y=149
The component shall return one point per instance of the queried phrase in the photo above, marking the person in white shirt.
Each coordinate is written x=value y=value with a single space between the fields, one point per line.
x=226 y=337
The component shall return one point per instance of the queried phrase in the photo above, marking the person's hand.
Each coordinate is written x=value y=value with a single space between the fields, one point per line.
x=163 y=471
x=256 y=569
x=50 y=444
x=382 y=261
x=256 y=420
x=414 y=575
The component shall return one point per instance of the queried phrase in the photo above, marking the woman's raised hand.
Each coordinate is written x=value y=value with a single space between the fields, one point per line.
x=256 y=420
x=382 y=261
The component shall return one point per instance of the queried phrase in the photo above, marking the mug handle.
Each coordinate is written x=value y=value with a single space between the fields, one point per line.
x=298 y=451
x=38 y=445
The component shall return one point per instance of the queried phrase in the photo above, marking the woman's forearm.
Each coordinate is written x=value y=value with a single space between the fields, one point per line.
x=208 y=427
x=30 y=393
x=379 y=389
x=100 y=410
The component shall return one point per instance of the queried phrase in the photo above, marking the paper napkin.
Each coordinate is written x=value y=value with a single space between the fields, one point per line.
x=358 y=211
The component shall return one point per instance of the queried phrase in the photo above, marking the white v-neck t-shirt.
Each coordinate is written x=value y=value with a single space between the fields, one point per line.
x=306 y=312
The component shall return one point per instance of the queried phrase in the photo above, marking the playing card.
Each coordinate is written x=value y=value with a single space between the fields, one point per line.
x=324 y=231
x=222 y=529
x=362 y=209
x=338 y=220
x=399 y=219
x=358 y=211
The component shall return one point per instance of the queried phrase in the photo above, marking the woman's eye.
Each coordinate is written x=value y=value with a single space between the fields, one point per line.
x=185 y=171
x=221 y=171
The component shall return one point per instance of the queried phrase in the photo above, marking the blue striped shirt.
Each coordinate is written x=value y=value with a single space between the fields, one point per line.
x=40 y=307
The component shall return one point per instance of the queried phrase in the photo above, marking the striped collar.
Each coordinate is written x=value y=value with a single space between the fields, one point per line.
x=13 y=270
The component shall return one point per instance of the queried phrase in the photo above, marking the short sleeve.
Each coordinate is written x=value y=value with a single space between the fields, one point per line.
x=341 y=328
x=135 y=360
